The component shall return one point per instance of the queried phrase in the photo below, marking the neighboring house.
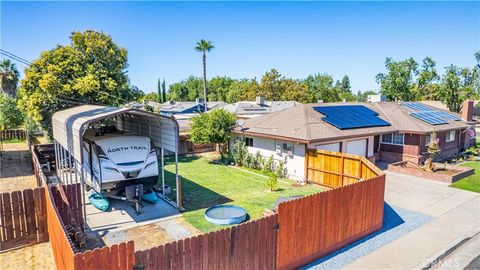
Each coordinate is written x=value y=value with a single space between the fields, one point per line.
x=187 y=107
x=251 y=109
x=383 y=131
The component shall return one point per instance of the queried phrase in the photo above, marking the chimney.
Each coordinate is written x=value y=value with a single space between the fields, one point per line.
x=260 y=100
x=199 y=101
x=467 y=111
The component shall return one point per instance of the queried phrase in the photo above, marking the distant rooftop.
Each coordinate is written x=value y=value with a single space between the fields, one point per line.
x=258 y=107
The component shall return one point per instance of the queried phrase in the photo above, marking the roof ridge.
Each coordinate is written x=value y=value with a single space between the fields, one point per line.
x=306 y=122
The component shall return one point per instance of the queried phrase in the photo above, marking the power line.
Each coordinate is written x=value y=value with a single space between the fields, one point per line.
x=15 y=57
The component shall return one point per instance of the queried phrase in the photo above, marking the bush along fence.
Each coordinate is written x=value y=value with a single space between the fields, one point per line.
x=301 y=231
x=13 y=134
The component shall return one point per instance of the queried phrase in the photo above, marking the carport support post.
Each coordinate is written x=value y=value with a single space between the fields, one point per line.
x=163 y=172
x=176 y=177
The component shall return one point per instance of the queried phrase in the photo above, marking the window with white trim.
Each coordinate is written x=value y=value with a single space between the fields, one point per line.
x=248 y=141
x=450 y=136
x=393 y=138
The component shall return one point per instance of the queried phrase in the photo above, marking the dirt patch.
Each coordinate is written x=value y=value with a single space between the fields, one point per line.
x=38 y=256
x=16 y=172
x=152 y=235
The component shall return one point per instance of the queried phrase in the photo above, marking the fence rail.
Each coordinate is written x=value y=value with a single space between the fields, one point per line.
x=250 y=245
x=22 y=218
x=12 y=134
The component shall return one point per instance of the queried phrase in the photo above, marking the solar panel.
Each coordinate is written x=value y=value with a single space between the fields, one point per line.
x=351 y=116
x=429 y=117
x=416 y=106
x=447 y=116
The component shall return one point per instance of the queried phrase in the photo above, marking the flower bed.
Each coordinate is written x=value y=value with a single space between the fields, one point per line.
x=446 y=172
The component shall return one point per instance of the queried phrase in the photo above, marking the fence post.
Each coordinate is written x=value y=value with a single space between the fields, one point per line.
x=179 y=192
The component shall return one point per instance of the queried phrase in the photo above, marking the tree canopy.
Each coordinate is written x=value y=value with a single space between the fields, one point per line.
x=92 y=68
x=9 y=77
x=10 y=116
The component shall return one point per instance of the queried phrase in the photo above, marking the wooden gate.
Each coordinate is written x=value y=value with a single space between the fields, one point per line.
x=22 y=218
x=333 y=169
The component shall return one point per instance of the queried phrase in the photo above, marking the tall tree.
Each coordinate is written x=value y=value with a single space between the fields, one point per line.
x=345 y=84
x=399 y=81
x=10 y=116
x=204 y=46
x=321 y=87
x=457 y=85
x=164 y=91
x=159 y=92
x=9 y=76
x=91 y=69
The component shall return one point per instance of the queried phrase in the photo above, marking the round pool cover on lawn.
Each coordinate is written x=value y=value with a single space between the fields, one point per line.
x=225 y=214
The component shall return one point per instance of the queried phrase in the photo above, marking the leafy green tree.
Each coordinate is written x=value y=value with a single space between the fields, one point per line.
x=10 y=115
x=242 y=90
x=457 y=85
x=399 y=81
x=186 y=90
x=9 y=77
x=151 y=97
x=212 y=127
x=345 y=84
x=321 y=87
x=204 y=46
x=91 y=69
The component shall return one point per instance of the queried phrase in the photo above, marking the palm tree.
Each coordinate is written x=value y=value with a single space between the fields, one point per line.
x=9 y=76
x=204 y=46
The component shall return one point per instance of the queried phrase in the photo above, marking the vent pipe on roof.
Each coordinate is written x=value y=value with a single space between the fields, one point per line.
x=260 y=100
x=467 y=111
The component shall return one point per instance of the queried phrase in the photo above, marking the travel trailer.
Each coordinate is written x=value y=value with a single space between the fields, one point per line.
x=115 y=160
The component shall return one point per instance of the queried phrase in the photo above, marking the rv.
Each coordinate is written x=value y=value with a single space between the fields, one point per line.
x=115 y=160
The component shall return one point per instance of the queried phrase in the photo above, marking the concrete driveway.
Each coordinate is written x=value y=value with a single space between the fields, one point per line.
x=455 y=216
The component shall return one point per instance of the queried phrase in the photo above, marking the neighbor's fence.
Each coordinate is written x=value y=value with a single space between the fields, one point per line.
x=11 y=134
x=251 y=245
x=22 y=218
x=314 y=226
x=333 y=169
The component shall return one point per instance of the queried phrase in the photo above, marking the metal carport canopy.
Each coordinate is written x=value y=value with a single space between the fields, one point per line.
x=69 y=126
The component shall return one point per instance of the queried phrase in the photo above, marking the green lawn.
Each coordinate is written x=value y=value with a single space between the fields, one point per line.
x=206 y=184
x=472 y=182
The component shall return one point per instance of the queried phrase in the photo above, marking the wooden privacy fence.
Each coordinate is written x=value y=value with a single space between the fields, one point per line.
x=251 y=245
x=334 y=169
x=11 y=134
x=22 y=218
x=314 y=226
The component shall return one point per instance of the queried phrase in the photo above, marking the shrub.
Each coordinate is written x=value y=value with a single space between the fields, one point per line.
x=268 y=164
x=272 y=183
x=280 y=170
x=239 y=152
x=258 y=161
x=249 y=161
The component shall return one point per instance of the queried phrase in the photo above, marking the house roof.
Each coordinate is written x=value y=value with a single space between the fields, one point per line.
x=302 y=123
x=253 y=108
x=178 y=107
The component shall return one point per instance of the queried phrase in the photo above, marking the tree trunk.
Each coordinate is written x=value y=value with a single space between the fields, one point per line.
x=205 y=80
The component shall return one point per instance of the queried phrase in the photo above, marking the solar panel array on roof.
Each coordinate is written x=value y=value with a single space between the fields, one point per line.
x=351 y=116
x=415 y=106
x=429 y=117
x=428 y=114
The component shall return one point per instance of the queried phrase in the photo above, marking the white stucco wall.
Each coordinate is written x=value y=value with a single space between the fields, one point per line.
x=295 y=165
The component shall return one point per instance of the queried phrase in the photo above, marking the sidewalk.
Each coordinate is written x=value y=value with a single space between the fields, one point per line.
x=456 y=216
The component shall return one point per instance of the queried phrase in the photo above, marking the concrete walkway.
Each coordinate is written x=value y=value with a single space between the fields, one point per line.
x=456 y=216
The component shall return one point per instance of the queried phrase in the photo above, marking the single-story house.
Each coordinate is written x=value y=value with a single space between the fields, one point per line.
x=187 y=107
x=251 y=109
x=383 y=131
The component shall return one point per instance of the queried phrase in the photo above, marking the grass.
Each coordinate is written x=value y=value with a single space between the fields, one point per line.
x=472 y=182
x=13 y=141
x=206 y=184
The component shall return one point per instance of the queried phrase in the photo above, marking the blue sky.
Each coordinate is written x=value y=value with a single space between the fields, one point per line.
x=297 y=38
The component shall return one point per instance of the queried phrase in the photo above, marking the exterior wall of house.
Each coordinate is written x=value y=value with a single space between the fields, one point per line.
x=414 y=148
x=294 y=164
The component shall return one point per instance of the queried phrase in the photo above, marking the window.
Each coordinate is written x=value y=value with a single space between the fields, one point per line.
x=284 y=148
x=393 y=138
x=248 y=141
x=450 y=136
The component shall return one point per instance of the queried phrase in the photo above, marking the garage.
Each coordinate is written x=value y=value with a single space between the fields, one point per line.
x=357 y=147
x=334 y=147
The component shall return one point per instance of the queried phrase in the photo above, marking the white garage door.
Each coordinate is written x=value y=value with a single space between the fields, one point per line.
x=335 y=147
x=358 y=147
